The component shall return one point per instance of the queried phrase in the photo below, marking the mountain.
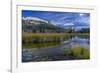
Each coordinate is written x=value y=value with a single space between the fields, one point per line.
x=33 y=19
x=34 y=24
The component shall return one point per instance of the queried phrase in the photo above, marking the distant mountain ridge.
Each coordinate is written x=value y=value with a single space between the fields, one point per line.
x=34 y=24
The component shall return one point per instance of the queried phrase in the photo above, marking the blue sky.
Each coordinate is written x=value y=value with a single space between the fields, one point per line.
x=63 y=19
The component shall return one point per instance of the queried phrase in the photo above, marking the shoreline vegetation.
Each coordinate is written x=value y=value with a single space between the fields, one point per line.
x=77 y=52
x=40 y=40
x=33 y=34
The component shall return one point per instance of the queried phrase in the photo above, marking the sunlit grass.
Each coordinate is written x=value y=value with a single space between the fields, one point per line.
x=77 y=52
x=47 y=37
x=36 y=40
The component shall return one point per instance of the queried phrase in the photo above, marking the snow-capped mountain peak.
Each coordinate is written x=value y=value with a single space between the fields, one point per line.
x=34 y=18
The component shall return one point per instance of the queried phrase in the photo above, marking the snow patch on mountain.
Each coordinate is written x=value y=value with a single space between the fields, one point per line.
x=34 y=18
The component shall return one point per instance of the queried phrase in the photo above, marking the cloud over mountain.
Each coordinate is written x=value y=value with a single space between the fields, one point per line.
x=63 y=19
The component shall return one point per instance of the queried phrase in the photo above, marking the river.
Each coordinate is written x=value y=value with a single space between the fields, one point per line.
x=53 y=53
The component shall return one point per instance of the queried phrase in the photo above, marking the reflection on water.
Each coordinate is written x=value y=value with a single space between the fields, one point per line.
x=54 y=53
x=84 y=42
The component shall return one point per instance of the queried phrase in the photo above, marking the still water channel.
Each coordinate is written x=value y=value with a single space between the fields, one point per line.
x=54 y=53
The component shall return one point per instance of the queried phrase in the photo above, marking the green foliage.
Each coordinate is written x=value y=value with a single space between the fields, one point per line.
x=86 y=53
x=77 y=52
x=42 y=40
x=67 y=52
x=39 y=38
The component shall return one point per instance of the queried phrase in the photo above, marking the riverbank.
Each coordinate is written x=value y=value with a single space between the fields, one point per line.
x=38 y=40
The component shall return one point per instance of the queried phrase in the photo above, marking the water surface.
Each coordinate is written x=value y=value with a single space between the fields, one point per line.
x=54 y=52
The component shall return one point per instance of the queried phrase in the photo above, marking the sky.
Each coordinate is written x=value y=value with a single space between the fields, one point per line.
x=64 y=19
